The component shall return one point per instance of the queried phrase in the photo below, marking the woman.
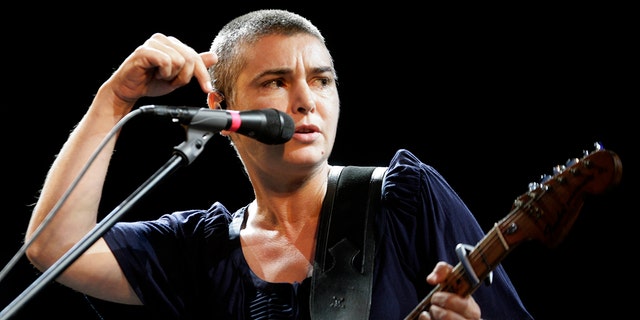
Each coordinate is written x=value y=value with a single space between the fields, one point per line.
x=256 y=262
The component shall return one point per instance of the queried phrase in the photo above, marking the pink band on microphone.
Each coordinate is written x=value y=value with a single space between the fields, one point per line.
x=235 y=120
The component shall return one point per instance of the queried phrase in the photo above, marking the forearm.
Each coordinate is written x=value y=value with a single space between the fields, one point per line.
x=78 y=214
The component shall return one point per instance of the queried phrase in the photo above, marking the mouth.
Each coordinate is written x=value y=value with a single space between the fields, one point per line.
x=306 y=129
x=306 y=133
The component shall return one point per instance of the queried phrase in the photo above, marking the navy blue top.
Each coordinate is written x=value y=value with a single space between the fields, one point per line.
x=189 y=264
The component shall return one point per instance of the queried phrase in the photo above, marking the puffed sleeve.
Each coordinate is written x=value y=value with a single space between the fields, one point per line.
x=166 y=259
x=422 y=221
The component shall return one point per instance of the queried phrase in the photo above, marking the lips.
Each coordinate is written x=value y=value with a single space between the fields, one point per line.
x=306 y=133
x=306 y=129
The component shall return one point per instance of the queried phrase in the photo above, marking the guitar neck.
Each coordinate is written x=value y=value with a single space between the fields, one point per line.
x=482 y=259
x=545 y=213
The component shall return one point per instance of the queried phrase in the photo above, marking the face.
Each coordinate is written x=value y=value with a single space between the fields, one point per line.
x=293 y=74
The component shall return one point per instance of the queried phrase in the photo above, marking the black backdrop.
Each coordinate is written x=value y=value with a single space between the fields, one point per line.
x=491 y=97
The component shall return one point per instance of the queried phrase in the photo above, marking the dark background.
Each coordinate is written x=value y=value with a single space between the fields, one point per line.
x=492 y=97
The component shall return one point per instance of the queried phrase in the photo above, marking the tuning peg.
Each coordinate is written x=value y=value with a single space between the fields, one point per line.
x=598 y=146
x=571 y=162
x=558 y=169
x=545 y=177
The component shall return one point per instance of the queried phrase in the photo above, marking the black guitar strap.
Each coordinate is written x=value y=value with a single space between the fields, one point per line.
x=343 y=268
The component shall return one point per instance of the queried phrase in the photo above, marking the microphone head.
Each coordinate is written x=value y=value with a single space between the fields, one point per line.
x=268 y=126
x=276 y=127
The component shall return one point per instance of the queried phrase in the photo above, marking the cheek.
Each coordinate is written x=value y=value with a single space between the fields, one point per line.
x=334 y=111
x=332 y=124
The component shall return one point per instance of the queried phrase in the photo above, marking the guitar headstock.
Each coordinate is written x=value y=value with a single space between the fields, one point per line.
x=548 y=210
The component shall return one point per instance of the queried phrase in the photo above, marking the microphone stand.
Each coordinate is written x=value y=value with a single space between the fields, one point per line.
x=184 y=154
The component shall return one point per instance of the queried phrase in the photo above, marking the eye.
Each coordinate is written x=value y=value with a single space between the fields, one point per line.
x=322 y=82
x=275 y=83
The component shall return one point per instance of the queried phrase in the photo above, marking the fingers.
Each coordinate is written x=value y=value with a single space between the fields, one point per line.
x=207 y=59
x=439 y=273
x=159 y=66
x=178 y=63
x=169 y=58
x=424 y=315
x=446 y=305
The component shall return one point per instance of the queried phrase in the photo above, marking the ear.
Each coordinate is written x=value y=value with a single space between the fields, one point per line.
x=214 y=100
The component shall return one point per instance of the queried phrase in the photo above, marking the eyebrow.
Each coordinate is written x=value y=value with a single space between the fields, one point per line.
x=285 y=71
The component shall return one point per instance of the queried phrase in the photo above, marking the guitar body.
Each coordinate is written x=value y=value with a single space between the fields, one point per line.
x=545 y=213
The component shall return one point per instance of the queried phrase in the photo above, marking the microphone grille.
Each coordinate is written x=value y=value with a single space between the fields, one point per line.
x=280 y=126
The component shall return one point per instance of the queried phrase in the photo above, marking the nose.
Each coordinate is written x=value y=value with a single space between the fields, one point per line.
x=303 y=100
x=306 y=108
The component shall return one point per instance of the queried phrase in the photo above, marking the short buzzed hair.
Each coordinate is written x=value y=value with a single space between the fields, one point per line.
x=246 y=30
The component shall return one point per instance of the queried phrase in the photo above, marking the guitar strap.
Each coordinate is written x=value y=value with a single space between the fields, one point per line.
x=343 y=267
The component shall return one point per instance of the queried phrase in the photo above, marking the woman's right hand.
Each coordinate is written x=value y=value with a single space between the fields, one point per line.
x=157 y=67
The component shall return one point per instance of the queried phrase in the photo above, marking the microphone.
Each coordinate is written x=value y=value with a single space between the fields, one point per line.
x=268 y=126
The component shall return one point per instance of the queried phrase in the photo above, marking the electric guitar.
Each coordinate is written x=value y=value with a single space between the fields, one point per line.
x=545 y=213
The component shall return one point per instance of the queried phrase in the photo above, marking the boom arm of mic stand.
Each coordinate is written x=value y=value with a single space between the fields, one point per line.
x=184 y=155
